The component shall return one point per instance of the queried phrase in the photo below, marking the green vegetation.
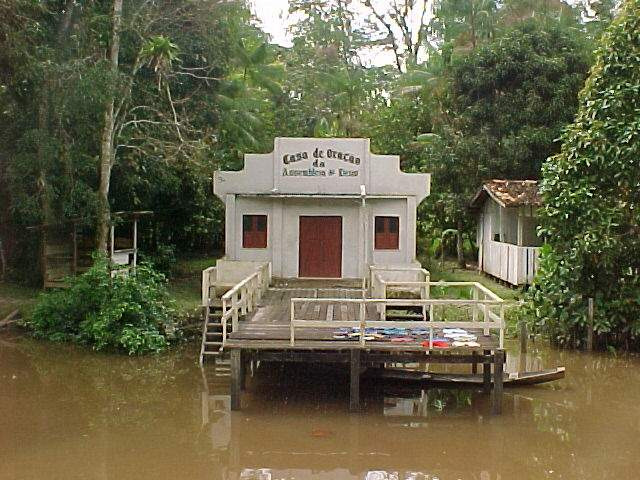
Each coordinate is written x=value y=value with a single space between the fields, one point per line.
x=130 y=313
x=185 y=284
x=452 y=273
x=131 y=105
x=16 y=297
x=591 y=218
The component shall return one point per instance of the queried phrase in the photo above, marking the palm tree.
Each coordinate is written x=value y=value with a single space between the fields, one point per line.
x=244 y=93
x=159 y=53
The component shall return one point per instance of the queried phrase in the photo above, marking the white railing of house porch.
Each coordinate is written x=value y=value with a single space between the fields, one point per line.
x=511 y=263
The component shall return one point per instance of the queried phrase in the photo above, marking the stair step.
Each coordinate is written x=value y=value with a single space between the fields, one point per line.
x=213 y=343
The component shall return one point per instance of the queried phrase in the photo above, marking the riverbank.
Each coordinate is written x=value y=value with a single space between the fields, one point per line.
x=184 y=285
x=16 y=297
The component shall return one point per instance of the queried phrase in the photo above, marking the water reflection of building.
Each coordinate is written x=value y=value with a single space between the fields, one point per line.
x=216 y=410
x=401 y=434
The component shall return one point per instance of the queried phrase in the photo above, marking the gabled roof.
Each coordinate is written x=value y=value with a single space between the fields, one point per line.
x=508 y=193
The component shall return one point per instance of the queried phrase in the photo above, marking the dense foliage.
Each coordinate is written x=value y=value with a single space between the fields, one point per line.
x=591 y=218
x=130 y=313
x=130 y=105
x=181 y=108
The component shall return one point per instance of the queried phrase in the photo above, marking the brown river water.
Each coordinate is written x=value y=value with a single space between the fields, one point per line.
x=68 y=413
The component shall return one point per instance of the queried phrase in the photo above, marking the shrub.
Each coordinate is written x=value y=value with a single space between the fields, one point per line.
x=591 y=216
x=130 y=313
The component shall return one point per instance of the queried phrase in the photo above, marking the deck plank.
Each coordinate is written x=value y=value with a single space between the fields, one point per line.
x=329 y=316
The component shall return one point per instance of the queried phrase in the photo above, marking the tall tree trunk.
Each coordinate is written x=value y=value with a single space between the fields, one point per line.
x=107 y=154
x=43 y=161
x=460 y=246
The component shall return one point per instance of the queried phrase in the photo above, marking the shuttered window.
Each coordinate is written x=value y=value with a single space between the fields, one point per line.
x=254 y=231
x=387 y=233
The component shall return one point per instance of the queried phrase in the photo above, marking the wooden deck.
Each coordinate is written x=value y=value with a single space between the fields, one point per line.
x=268 y=327
x=265 y=332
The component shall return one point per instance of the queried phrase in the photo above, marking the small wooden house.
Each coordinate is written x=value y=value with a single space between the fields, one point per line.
x=66 y=247
x=321 y=207
x=506 y=235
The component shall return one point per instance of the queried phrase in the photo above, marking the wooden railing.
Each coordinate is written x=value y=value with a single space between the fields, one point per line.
x=486 y=311
x=243 y=297
x=399 y=279
x=383 y=279
x=209 y=277
x=511 y=263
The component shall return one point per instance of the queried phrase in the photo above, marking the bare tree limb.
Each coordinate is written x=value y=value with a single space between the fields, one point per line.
x=392 y=37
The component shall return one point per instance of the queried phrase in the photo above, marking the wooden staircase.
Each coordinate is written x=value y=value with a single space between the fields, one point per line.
x=212 y=331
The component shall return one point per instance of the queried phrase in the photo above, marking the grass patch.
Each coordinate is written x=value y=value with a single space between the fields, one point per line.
x=185 y=284
x=452 y=273
x=192 y=266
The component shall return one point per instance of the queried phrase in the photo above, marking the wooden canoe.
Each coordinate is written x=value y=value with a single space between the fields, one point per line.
x=509 y=379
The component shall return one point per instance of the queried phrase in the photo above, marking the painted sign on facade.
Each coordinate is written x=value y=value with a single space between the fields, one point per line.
x=320 y=165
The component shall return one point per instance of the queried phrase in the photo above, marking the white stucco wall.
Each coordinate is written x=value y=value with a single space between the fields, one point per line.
x=266 y=186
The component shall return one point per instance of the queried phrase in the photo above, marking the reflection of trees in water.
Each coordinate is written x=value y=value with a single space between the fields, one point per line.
x=429 y=402
x=557 y=426
x=150 y=392
x=592 y=406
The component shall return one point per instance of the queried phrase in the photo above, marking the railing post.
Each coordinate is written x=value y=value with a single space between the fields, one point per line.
x=363 y=312
x=259 y=292
x=206 y=285
x=224 y=332
x=430 y=337
x=485 y=313
x=475 y=305
x=243 y=300
x=501 y=326
x=234 y=311
x=383 y=309
x=250 y=294
x=292 y=329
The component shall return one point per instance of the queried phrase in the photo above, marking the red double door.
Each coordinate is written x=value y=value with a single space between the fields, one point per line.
x=320 y=251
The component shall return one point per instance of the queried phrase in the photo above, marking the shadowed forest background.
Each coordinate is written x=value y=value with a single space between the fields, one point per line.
x=131 y=105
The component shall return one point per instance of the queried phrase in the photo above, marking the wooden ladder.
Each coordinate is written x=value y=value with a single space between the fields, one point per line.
x=212 y=331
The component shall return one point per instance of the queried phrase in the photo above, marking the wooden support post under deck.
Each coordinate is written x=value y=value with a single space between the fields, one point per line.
x=243 y=373
x=474 y=365
x=496 y=399
x=354 y=391
x=486 y=374
x=523 y=337
x=236 y=358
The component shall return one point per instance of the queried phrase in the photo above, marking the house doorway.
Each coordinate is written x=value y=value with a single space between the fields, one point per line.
x=320 y=251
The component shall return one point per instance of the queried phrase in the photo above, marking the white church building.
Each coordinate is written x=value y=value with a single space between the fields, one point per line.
x=321 y=208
